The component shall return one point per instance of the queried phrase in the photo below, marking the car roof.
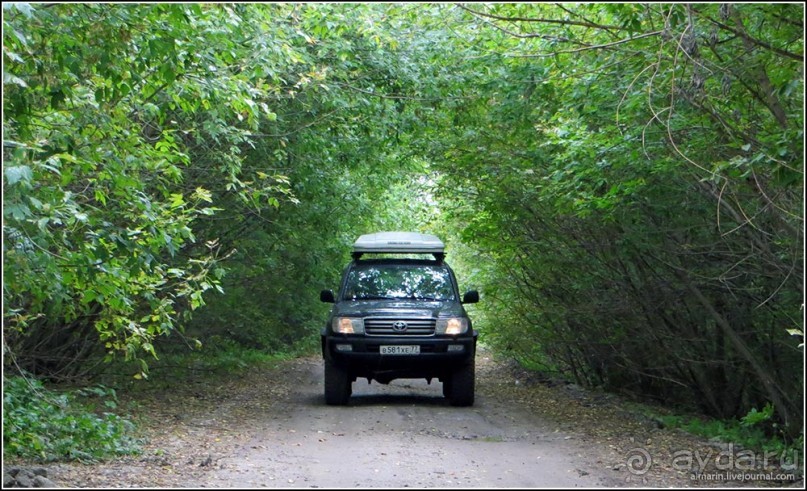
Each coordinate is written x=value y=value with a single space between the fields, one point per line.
x=399 y=243
x=399 y=261
x=412 y=242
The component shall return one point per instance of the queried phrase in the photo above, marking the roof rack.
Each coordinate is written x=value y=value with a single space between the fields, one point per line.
x=399 y=243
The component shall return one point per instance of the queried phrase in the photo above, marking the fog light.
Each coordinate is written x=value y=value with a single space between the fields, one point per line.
x=348 y=347
x=455 y=348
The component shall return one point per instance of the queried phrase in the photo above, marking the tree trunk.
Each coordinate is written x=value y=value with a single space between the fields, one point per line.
x=774 y=393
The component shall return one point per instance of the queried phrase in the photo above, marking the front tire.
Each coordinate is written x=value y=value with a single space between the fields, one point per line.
x=338 y=385
x=460 y=386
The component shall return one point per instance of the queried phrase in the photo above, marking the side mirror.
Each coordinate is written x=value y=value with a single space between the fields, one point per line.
x=471 y=296
x=327 y=296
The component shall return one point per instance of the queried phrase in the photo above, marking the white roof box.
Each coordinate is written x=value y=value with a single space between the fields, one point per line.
x=399 y=242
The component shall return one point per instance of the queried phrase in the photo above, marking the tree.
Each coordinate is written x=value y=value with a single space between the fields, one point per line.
x=635 y=177
x=106 y=108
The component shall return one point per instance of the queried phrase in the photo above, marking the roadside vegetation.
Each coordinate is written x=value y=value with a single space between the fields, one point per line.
x=46 y=425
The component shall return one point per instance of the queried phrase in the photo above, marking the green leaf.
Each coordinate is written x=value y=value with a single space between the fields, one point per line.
x=23 y=7
x=18 y=211
x=17 y=173
x=177 y=200
x=203 y=194
x=14 y=56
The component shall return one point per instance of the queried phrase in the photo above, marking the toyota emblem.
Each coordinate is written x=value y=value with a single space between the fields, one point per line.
x=399 y=326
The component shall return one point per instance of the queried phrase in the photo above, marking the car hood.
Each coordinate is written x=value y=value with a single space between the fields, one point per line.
x=399 y=308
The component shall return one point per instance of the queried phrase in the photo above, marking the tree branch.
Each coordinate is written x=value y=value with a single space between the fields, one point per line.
x=746 y=37
x=596 y=46
x=541 y=20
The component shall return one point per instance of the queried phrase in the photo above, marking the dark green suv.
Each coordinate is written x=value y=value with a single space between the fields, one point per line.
x=398 y=317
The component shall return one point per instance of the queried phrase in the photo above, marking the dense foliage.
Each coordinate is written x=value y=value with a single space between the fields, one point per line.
x=623 y=182
x=636 y=176
x=44 y=425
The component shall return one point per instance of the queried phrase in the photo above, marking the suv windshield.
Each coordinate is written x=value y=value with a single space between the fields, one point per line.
x=398 y=281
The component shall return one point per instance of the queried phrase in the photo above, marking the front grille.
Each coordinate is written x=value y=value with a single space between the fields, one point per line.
x=385 y=326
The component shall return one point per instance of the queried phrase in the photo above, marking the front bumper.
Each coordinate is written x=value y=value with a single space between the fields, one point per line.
x=438 y=356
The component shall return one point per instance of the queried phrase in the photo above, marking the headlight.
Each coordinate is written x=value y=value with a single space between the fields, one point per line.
x=452 y=325
x=347 y=325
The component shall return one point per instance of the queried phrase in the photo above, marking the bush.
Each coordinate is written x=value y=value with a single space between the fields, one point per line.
x=756 y=430
x=43 y=425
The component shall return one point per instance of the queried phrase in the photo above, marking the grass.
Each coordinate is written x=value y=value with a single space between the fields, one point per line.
x=218 y=357
x=756 y=431
x=222 y=356
x=758 y=437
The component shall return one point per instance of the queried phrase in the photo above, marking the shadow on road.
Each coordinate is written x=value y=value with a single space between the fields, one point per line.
x=397 y=400
x=368 y=400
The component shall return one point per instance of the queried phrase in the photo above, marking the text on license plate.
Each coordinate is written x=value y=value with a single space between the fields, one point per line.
x=400 y=350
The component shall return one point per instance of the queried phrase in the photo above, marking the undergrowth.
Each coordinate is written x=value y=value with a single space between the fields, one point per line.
x=749 y=431
x=757 y=430
x=223 y=356
x=216 y=358
x=45 y=425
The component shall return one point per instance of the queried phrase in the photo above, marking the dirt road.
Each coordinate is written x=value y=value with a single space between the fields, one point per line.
x=271 y=428
x=405 y=435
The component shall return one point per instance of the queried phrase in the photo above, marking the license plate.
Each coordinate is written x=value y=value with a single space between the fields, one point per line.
x=400 y=350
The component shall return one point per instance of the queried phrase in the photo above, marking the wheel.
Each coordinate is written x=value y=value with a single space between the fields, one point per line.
x=338 y=385
x=461 y=386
